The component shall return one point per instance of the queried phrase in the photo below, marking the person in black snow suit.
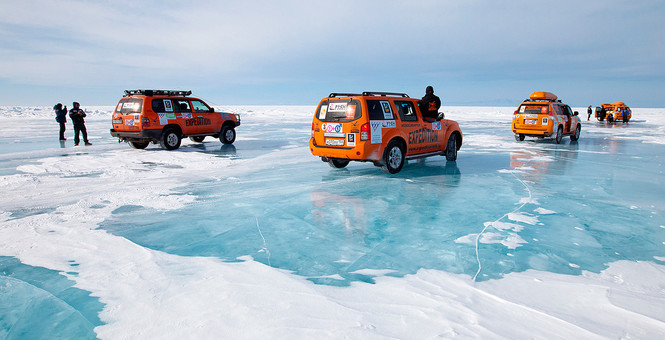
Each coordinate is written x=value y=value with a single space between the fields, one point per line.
x=588 y=111
x=430 y=104
x=61 y=118
x=77 y=115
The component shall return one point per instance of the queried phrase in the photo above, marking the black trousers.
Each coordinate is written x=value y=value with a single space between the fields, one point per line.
x=62 y=131
x=80 y=128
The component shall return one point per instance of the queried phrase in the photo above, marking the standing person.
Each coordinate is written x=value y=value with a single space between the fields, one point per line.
x=77 y=115
x=61 y=118
x=624 y=115
x=430 y=104
x=588 y=110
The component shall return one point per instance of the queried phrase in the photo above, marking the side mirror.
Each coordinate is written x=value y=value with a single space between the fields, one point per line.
x=212 y=109
x=575 y=113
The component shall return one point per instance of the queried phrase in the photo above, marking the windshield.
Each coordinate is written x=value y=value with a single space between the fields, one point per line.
x=534 y=108
x=339 y=110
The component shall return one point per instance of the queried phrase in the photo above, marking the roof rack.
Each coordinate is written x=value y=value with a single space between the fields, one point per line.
x=335 y=94
x=129 y=93
x=385 y=94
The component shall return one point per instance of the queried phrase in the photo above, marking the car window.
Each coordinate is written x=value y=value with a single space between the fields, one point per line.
x=557 y=109
x=379 y=110
x=129 y=105
x=567 y=111
x=162 y=105
x=406 y=111
x=533 y=108
x=339 y=110
x=182 y=105
x=200 y=106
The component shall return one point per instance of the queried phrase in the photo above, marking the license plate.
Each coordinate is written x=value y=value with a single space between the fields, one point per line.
x=117 y=121
x=335 y=142
x=529 y=121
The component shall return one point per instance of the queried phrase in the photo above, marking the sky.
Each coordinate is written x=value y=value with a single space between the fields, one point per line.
x=474 y=52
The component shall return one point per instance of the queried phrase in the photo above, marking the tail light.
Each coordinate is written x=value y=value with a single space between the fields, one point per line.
x=313 y=127
x=364 y=132
x=145 y=122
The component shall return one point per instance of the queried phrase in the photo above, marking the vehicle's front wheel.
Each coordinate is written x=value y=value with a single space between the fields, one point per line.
x=138 y=145
x=197 y=139
x=338 y=163
x=519 y=137
x=393 y=157
x=170 y=139
x=228 y=135
x=574 y=137
x=559 y=135
x=451 y=149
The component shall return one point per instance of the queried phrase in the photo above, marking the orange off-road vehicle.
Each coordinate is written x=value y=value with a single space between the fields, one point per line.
x=542 y=115
x=166 y=116
x=380 y=127
x=616 y=111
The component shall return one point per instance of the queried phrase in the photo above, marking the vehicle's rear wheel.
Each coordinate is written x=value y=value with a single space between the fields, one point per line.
x=338 y=163
x=610 y=119
x=393 y=157
x=559 y=135
x=519 y=137
x=170 y=139
x=575 y=136
x=451 y=149
x=197 y=139
x=228 y=135
x=138 y=145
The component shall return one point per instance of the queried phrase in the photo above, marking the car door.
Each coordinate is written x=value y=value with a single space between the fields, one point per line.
x=421 y=136
x=569 y=118
x=210 y=121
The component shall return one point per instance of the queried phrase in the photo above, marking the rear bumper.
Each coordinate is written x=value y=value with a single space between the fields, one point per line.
x=364 y=151
x=148 y=135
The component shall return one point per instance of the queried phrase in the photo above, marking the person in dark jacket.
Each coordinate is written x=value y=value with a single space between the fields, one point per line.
x=61 y=118
x=430 y=104
x=588 y=111
x=77 y=115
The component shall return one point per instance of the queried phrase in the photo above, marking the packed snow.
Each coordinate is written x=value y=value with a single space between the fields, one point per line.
x=262 y=240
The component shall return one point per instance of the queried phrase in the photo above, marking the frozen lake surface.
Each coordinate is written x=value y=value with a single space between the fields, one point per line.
x=262 y=240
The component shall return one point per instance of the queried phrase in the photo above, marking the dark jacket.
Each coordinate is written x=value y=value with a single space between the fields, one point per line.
x=429 y=105
x=61 y=115
x=77 y=116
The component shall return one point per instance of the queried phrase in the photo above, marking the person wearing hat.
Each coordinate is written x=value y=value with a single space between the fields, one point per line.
x=61 y=118
x=588 y=110
x=77 y=115
x=430 y=104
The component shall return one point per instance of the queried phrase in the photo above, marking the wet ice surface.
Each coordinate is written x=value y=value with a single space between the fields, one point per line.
x=149 y=226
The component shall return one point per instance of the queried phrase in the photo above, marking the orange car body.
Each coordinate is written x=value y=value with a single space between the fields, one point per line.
x=360 y=127
x=144 y=116
x=617 y=109
x=543 y=115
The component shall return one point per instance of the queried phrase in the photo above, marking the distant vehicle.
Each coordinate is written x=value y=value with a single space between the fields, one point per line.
x=380 y=127
x=601 y=111
x=542 y=115
x=615 y=112
x=165 y=117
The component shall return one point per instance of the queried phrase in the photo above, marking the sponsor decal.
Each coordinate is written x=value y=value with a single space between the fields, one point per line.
x=168 y=107
x=129 y=122
x=350 y=111
x=187 y=115
x=375 y=130
x=351 y=139
x=225 y=115
x=323 y=111
x=436 y=126
x=334 y=134
x=423 y=136
x=170 y=115
x=129 y=105
x=387 y=111
x=522 y=108
x=388 y=124
x=162 y=118
x=531 y=116
x=331 y=127
x=337 y=107
x=543 y=109
x=198 y=121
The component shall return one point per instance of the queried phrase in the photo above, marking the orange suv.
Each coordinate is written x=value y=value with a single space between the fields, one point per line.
x=165 y=117
x=380 y=127
x=542 y=115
